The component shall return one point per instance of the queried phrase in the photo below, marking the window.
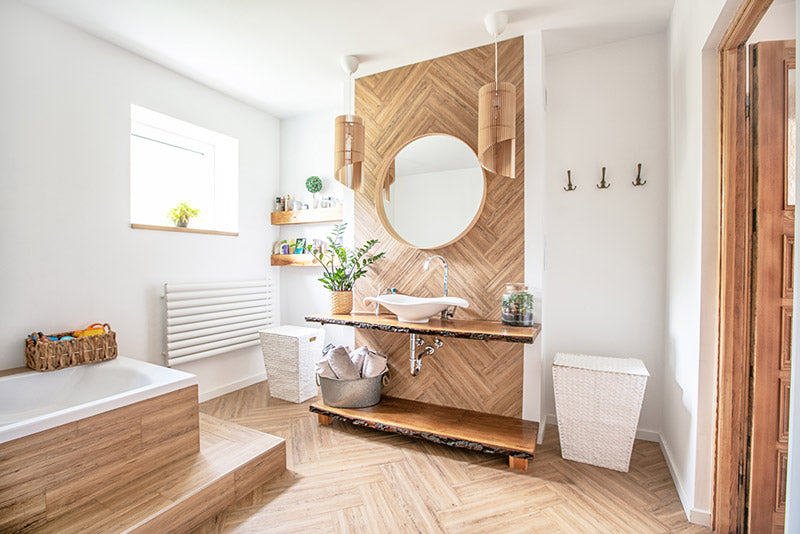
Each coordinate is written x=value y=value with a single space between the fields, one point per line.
x=172 y=162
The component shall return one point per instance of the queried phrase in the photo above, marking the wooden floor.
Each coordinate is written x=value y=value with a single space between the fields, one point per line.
x=232 y=461
x=342 y=478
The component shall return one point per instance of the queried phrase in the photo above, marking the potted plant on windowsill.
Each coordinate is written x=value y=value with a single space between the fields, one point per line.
x=343 y=267
x=181 y=214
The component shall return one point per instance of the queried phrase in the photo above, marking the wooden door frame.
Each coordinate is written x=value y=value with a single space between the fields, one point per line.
x=736 y=224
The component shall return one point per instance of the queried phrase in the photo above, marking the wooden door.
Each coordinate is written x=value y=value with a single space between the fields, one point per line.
x=772 y=118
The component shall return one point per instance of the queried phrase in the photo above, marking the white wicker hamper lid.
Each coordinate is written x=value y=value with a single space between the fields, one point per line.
x=291 y=331
x=626 y=366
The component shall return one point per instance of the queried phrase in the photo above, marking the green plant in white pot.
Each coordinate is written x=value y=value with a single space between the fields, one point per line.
x=343 y=267
x=314 y=186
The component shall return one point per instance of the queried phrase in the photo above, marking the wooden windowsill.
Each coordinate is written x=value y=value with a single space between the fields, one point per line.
x=184 y=230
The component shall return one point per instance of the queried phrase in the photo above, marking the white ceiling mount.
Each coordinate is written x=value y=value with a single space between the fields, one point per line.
x=349 y=64
x=496 y=22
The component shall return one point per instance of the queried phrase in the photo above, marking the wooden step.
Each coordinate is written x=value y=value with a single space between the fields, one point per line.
x=494 y=434
x=233 y=461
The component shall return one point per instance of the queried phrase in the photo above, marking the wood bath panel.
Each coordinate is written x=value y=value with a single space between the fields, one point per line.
x=49 y=473
x=441 y=96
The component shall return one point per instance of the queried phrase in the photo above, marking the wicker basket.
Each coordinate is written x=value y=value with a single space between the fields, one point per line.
x=51 y=355
x=598 y=401
x=341 y=302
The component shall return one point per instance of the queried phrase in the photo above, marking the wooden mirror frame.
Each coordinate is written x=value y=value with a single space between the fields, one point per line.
x=382 y=173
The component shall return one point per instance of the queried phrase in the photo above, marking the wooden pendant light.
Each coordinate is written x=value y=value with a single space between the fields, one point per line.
x=349 y=150
x=497 y=114
x=348 y=141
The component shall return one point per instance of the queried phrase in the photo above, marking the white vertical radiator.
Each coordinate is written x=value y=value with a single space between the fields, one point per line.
x=204 y=320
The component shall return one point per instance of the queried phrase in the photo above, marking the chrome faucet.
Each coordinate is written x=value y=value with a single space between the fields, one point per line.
x=448 y=313
x=384 y=291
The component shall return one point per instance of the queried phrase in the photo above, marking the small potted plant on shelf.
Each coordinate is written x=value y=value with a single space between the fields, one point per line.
x=314 y=186
x=343 y=267
x=181 y=214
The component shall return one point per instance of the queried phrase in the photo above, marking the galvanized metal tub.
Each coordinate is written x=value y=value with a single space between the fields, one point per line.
x=358 y=393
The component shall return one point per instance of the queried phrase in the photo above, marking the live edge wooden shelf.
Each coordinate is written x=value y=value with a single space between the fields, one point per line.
x=494 y=434
x=455 y=427
x=460 y=328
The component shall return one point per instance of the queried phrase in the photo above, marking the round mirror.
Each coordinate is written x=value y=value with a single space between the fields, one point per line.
x=432 y=192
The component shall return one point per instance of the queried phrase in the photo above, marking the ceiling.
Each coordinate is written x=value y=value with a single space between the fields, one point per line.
x=282 y=56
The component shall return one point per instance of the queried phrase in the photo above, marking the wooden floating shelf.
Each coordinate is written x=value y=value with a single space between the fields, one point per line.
x=319 y=215
x=492 y=434
x=458 y=328
x=296 y=260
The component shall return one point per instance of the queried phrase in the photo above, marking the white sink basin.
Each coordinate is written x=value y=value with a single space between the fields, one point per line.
x=416 y=309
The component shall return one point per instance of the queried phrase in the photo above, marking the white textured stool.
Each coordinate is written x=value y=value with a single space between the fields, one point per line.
x=289 y=356
x=598 y=401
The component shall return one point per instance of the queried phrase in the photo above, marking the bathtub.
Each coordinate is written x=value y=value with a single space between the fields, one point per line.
x=34 y=401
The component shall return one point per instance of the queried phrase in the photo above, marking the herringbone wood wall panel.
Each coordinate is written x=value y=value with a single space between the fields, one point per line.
x=441 y=96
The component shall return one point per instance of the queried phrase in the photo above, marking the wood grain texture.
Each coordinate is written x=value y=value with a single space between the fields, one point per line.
x=733 y=359
x=184 y=230
x=452 y=328
x=733 y=363
x=294 y=260
x=343 y=478
x=318 y=215
x=441 y=96
x=232 y=461
x=769 y=377
x=48 y=474
x=492 y=434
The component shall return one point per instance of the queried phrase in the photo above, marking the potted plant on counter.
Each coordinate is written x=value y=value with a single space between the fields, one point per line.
x=181 y=214
x=343 y=267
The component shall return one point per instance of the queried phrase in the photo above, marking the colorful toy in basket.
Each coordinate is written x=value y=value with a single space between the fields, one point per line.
x=95 y=343
x=91 y=330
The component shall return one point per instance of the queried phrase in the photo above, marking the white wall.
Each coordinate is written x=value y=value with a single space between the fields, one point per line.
x=69 y=257
x=307 y=150
x=533 y=392
x=606 y=249
x=692 y=250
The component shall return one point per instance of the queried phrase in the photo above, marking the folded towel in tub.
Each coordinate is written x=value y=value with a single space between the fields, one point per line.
x=323 y=369
x=342 y=365
x=358 y=355
x=374 y=365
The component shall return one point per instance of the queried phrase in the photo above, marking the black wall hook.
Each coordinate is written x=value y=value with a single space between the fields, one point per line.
x=639 y=180
x=603 y=184
x=570 y=187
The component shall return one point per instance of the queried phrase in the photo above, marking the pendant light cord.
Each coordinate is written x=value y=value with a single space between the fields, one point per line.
x=495 y=62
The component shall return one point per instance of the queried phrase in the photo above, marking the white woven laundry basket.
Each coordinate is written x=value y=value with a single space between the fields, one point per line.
x=289 y=356
x=598 y=401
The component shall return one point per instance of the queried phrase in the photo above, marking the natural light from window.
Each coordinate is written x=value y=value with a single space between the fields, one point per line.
x=172 y=162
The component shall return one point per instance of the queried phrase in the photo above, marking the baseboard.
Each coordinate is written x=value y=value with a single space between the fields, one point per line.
x=233 y=386
x=641 y=433
x=700 y=517
x=677 y=481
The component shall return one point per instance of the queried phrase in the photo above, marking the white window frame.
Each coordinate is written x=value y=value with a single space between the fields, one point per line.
x=223 y=149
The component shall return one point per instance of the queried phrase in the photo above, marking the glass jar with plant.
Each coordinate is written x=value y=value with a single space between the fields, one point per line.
x=181 y=214
x=517 y=306
x=343 y=267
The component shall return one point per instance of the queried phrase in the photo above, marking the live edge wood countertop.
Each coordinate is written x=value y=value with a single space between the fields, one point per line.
x=459 y=328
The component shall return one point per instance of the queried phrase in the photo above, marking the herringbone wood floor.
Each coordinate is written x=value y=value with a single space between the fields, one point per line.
x=342 y=478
